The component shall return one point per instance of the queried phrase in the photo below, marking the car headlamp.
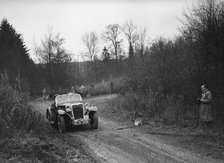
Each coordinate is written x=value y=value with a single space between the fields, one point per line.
x=68 y=109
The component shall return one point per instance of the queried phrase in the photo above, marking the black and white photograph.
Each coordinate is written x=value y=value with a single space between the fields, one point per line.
x=111 y=81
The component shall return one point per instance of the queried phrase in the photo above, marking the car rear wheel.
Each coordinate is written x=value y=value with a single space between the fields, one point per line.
x=94 y=121
x=61 y=124
x=49 y=119
x=47 y=115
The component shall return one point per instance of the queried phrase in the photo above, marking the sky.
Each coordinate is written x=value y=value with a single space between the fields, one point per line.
x=73 y=18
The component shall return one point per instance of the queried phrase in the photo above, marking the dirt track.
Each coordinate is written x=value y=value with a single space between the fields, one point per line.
x=117 y=142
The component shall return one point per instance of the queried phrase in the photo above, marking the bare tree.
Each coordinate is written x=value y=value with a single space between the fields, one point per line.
x=90 y=41
x=141 y=42
x=130 y=32
x=52 y=54
x=105 y=55
x=203 y=25
x=112 y=34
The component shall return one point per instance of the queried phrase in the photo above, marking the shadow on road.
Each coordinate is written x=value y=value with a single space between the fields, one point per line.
x=78 y=129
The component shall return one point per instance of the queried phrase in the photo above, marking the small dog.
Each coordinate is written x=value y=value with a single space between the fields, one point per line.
x=137 y=119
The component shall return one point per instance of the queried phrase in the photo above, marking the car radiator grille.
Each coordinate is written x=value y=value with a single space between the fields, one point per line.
x=77 y=111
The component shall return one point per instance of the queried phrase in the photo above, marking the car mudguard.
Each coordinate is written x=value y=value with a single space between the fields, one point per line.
x=93 y=108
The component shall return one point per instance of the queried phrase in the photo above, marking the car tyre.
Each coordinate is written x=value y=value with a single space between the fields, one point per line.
x=94 y=121
x=61 y=124
x=49 y=120
x=47 y=115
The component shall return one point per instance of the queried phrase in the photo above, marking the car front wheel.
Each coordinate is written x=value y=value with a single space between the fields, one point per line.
x=61 y=124
x=94 y=121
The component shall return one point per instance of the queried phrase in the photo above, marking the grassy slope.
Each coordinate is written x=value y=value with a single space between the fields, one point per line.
x=40 y=142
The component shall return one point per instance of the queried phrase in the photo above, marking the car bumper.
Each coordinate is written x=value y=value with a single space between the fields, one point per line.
x=83 y=121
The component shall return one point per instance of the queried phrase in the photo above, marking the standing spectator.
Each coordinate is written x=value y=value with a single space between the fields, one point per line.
x=44 y=92
x=111 y=87
x=73 y=89
x=92 y=90
x=51 y=96
x=205 y=116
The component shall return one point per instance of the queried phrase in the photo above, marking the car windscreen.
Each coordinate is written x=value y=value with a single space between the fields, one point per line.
x=67 y=98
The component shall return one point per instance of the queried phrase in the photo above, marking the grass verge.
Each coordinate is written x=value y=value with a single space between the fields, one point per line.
x=26 y=137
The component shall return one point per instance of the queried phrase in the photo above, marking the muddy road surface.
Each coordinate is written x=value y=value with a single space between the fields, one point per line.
x=116 y=142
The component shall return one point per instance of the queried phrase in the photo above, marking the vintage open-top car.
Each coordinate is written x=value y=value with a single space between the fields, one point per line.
x=68 y=109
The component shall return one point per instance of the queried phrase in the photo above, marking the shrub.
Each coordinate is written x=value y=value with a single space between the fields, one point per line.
x=170 y=110
x=104 y=87
x=15 y=113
